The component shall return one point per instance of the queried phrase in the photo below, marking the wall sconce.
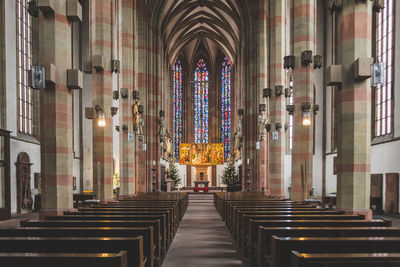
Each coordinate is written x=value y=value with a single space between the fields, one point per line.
x=316 y=109
x=289 y=62
x=278 y=90
x=290 y=109
x=268 y=127
x=114 y=111
x=378 y=74
x=101 y=120
x=305 y=107
x=267 y=92
x=286 y=127
x=288 y=92
x=278 y=126
x=37 y=77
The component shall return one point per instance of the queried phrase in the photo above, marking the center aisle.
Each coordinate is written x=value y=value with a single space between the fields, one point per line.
x=202 y=239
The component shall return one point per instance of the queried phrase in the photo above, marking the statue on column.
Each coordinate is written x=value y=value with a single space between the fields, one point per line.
x=238 y=138
x=140 y=129
x=163 y=131
x=262 y=121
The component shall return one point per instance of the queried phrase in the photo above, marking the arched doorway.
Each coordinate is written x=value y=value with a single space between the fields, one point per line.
x=24 y=196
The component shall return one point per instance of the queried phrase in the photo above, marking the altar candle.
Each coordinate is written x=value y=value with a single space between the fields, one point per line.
x=248 y=161
x=154 y=162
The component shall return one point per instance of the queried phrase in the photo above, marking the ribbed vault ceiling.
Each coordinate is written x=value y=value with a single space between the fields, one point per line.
x=189 y=24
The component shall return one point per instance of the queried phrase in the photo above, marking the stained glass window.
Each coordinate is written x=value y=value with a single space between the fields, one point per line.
x=201 y=103
x=384 y=53
x=226 y=106
x=24 y=61
x=177 y=84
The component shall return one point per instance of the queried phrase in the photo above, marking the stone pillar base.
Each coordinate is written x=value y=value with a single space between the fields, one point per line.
x=367 y=213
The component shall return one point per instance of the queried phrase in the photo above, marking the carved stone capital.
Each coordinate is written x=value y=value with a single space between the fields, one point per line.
x=289 y=62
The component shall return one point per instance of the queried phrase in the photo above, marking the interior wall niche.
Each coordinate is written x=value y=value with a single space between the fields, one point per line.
x=24 y=194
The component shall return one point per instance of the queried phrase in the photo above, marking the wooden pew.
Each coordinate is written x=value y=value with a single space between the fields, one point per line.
x=254 y=224
x=149 y=247
x=222 y=200
x=345 y=259
x=283 y=246
x=133 y=246
x=64 y=259
x=169 y=220
x=180 y=198
x=172 y=217
x=244 y=220
x=125 y=206
x=160 y=250
x=231 y=209
x=164 y=230
x=270 y=211
x=263 y=245
x=249 y=228
x=237 y=220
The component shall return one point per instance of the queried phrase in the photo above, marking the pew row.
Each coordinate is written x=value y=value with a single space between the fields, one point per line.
x=64 y=259
x=133 y=246
x=345 y=259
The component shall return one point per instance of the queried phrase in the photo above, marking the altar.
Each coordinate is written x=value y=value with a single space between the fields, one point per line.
x=201 y=177
x=201 y=157
x=201 y=184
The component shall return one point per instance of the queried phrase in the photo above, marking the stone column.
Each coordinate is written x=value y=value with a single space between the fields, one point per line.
x=101 y=26
x=278 y=41
x=143 y=173
x=354 y=131
x=127 y=148
x=304 y=21
x=56 y=113
x=2 y=67
x=262 y=82
x=253 y=71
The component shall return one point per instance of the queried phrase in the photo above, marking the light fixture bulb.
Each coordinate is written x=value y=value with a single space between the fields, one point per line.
x=101 y=121
x=306 y=118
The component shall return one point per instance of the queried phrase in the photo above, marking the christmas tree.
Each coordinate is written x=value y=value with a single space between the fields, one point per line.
x=230 y=177
x=173 y=174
